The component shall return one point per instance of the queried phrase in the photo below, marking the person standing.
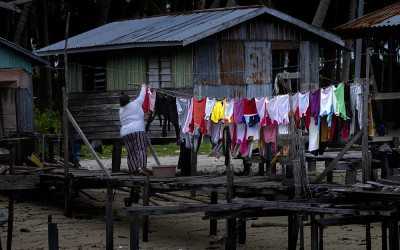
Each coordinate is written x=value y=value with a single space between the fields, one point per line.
x=133 y=131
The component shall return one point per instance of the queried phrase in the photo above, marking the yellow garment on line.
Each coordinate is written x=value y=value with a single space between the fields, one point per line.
x=218 y=111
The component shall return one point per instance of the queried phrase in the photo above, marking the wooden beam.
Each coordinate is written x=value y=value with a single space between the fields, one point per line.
x=289 y=75
x=386 y=96
x=340 y=155
x=10 y=6
x=19 y=182
x=285 y=45
x=16 y=2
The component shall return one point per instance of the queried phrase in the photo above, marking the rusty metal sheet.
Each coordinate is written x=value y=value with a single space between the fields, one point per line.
x=232 y=63
x=234 y=91
x=258 y=62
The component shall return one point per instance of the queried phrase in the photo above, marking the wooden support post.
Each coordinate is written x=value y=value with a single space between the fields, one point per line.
x=146 y=198
x=368 y=235
x=109 y=217
x=67 y=181
x=116 y=156
x=301 y=227
x=11 y=198
x=261 y=169
x=53 y=236
x=329 y=177
x=69 y=191
x=384 y=234
x=340 y=155
x=321 y=235
x=230 y=243
x=393 y=234
x=193 y=159
x=213 y=222
x=153 y=153
x=366 y=164
x=134 y=233
x=314 y=233
x=242 y=230
x=51 y=146
x=291 y=243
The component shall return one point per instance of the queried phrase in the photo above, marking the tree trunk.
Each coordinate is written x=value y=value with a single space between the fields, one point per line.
x=231 y=3
x=215 y=4
x=321 y=13
x=348 y=44
x=22 y=21
x=105 y=6
x=46 y=90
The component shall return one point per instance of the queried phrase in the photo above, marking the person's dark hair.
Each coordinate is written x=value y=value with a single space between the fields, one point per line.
x=124 y=99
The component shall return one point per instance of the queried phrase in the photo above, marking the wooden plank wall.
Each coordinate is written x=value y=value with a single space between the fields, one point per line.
x=97 y=114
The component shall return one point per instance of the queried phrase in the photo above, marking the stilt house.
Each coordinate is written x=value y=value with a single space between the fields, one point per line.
x=222 y=53
x=16 y=90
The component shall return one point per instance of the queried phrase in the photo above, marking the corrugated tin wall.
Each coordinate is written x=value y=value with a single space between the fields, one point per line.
x=206 y=62
x=181 y=67
x=75 y=76
x=26 y=121
x=124 y=68
x=12 y=59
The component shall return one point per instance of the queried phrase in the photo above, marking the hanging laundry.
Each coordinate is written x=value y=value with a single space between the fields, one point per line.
x=182 y=107
x=295 y=104
x=272 y=110
x=218 y=111
x=189 y=118
x=209 y=107
x=238 y=106
x=199 y=107
x=314 y=104
x=283 y=108
x=261 y=110
x=229 y=104
x=313 y=135
x=339 y=107
x=356 y=104
x=326 y=106
x=146 y=104
x=270 y=134
x=152 y=99
x=304 y=110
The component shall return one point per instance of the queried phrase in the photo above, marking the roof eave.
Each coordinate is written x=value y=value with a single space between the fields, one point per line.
x=36 y=59
x=109 y=47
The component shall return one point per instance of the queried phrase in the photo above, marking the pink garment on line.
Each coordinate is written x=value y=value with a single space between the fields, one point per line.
x=270 y=134
x=152 y=99
x=261 y=110
x=238 y=111
x=188 y=118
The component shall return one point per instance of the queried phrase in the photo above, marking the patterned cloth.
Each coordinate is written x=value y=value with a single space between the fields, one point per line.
x=136 y=146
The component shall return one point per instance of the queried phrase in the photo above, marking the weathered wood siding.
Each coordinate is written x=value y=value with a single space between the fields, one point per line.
x=8 y=111
x=26 y=122
x=97 y=114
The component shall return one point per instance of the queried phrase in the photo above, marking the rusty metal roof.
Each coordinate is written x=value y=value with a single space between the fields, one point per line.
x=376 y=23
x=174 y=29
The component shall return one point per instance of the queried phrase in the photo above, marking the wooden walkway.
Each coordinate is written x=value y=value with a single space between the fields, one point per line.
x=257 y=185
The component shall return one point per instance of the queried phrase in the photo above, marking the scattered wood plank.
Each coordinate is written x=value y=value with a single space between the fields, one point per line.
x=19 y=182
x=3 y=170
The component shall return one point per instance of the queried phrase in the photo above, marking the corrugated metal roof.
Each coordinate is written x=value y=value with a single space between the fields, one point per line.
x=388 y=17
x=35 y=59
x=171 y=29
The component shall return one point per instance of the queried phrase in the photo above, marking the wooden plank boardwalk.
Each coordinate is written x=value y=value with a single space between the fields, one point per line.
x=257 y=185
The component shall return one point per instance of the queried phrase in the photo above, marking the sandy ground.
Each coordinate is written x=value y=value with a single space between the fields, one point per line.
x=86 y=230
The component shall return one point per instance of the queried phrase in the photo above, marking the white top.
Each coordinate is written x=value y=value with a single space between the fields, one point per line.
x=283 y=108
x=228 y=110
x=303 y=103
x=326 y=106
x=132 y=115
x=210 y=103
x=272 y=110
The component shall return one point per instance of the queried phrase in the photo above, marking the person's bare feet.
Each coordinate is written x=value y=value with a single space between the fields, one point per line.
x=144 y=171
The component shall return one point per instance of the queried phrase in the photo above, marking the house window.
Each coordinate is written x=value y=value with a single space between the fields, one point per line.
x=159 y=70
x=94 y=77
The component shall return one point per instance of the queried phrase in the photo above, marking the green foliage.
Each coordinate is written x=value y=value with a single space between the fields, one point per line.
x=46 y=119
